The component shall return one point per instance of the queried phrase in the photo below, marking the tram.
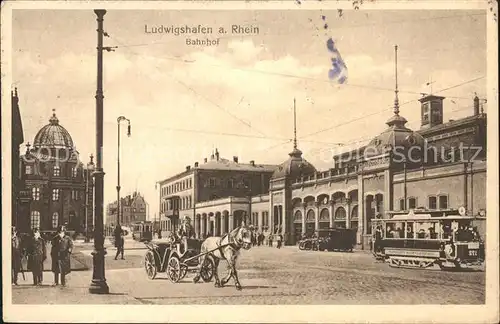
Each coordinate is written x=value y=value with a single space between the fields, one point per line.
x=422 y=240
x=142 y=231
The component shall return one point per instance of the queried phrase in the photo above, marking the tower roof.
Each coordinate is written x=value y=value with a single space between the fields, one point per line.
x=53 y=135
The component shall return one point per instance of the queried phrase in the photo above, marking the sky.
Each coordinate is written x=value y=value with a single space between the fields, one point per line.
x=183 y=101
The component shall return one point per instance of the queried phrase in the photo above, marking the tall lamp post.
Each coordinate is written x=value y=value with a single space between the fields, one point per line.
x=119 y=120
x=90 y=169
x=98 y=284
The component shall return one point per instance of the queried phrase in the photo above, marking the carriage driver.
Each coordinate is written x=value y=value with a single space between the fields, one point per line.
x=184 y=232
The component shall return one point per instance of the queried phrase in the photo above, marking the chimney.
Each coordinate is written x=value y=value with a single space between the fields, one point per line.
x=188 y=167
x=216 y=155
x=205 y=160
x=476 y=105
x=196 y=164
x=431 y=109
x=235 y=159
x=252 y=163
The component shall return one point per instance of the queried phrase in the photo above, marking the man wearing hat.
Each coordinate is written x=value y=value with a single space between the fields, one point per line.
x=62 y=246
x=185 y=231
x=36 y=256
x=17 y=254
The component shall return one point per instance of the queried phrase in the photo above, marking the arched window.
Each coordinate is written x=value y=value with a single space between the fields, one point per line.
x=310 y=218
x=55 y=220
x=35 y=219
x=297 y=217
x=324 y=216
x=340 y=213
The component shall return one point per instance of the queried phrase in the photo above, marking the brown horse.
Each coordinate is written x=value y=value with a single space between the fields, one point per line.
x=226 y=248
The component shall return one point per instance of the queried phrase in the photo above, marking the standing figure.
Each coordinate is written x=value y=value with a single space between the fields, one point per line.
x=37 y=254
x=62 y=247
x=270 y=240
x=184 y=232
x=17 y=255
x=279 y=241
x=119 y=241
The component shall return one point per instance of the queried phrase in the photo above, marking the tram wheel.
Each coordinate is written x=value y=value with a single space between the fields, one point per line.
x=149 y=265
x=174 y=269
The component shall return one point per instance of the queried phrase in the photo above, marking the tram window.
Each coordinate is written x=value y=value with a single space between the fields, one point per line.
x=423 y=230
x=409 y=230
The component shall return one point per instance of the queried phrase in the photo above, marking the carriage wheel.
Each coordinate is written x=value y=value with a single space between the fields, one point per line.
x=207 y=270
x=149 y=265
x=174 y=269
x=184 y=270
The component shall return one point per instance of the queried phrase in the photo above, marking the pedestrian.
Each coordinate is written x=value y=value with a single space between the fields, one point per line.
x=278 y=241
x=17 y=255
x=62 y=247
x=270 y=240
x=119 y=241
x=37 y=254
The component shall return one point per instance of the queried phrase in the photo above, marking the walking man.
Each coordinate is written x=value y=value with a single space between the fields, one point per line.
x=119 y=241
x=62 y=247
x=17 y=255
x=37 y=254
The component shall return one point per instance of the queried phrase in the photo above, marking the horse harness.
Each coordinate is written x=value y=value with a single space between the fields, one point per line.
x=231 y=243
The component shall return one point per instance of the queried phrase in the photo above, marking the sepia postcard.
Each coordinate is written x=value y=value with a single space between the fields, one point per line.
x=250 y=161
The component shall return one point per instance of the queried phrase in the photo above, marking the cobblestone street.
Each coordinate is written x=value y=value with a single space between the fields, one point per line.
x=269 y=276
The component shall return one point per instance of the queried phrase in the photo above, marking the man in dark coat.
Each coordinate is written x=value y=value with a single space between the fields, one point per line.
x=62 y=247
x=119 y=241
x=37 y=254
x=17 y=255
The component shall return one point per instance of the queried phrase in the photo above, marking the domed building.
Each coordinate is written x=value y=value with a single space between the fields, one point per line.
x=59 y=183
x=401 y=142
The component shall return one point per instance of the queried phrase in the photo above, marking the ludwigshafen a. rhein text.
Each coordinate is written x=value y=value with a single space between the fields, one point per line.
x=198 y=34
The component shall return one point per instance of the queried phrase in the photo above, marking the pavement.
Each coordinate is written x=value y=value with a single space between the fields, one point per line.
x=271 y=276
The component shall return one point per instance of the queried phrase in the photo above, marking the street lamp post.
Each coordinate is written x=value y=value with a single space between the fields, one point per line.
x=90 y=168
x=119 y=120
x=98 y=284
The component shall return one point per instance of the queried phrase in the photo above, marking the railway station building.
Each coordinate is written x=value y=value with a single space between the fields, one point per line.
x=439 y=167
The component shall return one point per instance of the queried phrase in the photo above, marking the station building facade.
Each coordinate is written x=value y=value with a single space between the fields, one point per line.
x=441 y=166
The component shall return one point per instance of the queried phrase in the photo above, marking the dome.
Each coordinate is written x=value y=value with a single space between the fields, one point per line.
x=295 y=166
x=397 y=137
x=53 y=135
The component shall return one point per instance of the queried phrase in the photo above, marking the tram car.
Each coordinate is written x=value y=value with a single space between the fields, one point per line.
x=142 y=231
x=423 y=240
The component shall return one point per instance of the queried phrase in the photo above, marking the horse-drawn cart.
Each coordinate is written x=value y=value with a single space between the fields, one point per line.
x=167 y=256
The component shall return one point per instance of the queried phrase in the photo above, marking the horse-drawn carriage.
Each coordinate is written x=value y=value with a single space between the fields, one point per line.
x=168 y=256
x=202 y=257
